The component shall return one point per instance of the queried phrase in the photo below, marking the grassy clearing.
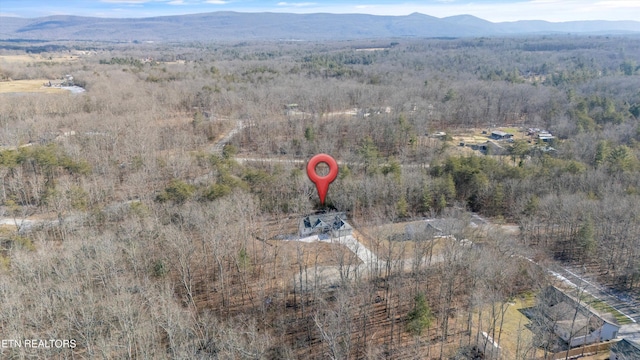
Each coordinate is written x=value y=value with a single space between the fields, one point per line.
x=517 y=132
x=516 y=339
x=14 y=59
x=24 y=59
x=471 y=139
x=477 y=137
x=28 y=86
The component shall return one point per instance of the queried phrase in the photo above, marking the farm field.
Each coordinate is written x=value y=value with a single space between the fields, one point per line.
x=28 y=86
x=35 y=58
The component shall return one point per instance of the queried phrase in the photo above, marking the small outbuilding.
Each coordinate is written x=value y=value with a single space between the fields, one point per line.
x=501 y=135
x=545 y=137
x=490 y=148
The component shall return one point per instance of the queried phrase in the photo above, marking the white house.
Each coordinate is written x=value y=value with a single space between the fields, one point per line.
x=575 y=322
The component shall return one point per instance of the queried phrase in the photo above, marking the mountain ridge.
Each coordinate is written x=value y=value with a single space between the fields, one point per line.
x=228 y=25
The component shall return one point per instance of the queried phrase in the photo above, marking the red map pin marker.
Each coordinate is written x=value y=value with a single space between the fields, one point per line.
x=322 y=182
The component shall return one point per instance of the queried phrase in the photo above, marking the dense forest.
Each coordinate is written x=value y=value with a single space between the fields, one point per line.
x=147 y=216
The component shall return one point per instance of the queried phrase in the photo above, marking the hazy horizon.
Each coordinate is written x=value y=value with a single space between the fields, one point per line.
x=491 y=10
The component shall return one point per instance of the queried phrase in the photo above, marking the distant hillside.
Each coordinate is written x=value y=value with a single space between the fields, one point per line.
x=247 y=26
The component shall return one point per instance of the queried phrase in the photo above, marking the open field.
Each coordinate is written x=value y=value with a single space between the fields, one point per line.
x=28 y=86
x=27 y=58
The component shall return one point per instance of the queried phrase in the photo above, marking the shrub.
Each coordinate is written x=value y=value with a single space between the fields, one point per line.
x=420 y=317
x=178 y=191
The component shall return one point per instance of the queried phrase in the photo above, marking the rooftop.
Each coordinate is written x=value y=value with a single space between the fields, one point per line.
x=324 y=223
x=625 y=349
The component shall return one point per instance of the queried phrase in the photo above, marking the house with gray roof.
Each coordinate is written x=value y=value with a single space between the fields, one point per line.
x=500 y=135
x=333 y=224
x=575 y=322
x=624 y=350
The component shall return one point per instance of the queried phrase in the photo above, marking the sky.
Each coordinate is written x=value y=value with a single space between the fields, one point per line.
x=492 y=10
